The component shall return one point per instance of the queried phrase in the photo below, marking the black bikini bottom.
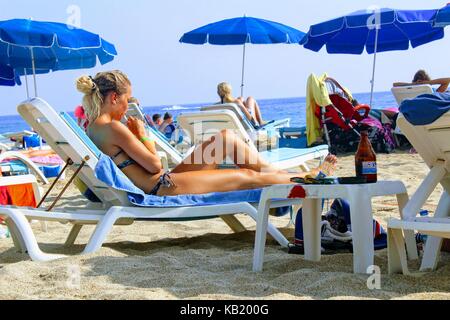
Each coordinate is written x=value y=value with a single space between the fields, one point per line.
x=164 y=181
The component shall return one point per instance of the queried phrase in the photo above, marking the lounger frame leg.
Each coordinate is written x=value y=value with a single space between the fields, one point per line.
x=397 y=262
x=234 y=223
x=102 y=230
x=433 y=245
x=260 y=237
x=73 y=235
x=17 y=239
x=25 y=239
x=411 y=246
x=437 y=173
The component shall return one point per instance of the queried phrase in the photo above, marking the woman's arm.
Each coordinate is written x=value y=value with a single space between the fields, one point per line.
x=403 y=84
x=442 y=82
x=140 y=149
x=137 y=128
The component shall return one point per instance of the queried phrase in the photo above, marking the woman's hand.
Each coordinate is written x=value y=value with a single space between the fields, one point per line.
x=136 y=126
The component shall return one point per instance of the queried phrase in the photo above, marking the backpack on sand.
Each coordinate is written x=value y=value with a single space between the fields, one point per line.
x=336 y=232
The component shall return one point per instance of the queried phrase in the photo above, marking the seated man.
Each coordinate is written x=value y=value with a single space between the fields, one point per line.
x=249 y=107
x=135 y=153
x=167 y=127
x=422 y=77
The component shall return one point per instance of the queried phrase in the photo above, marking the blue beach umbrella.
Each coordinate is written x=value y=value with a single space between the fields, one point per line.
x=40 y=47
x=8 y=77
x=374 y=30
x=243 y=30
x=443 y=17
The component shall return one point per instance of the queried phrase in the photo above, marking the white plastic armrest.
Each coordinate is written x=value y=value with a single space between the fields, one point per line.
x=30 y=164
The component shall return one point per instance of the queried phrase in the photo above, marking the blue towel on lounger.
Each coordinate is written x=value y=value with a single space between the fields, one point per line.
x=107 y=171
x=426 y=108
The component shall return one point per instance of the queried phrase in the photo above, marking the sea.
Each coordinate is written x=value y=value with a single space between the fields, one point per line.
x=271 y=109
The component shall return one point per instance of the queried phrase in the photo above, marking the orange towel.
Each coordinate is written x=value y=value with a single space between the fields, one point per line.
x=22 y=195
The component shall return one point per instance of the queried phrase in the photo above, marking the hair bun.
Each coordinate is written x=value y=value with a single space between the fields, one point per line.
x=86 y=85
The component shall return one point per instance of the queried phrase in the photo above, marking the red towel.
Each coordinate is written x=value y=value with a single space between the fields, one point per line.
x=22 y=195
x=5 y=198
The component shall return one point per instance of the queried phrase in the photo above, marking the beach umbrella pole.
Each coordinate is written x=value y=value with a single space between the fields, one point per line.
x=34 y=72
x=374 y=65
x=26 y=83
x=243 y=73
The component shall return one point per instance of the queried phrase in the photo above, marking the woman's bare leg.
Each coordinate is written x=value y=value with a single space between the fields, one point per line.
x=244 y=109
x=204 y=181
x=225 y=144
x=253 y=105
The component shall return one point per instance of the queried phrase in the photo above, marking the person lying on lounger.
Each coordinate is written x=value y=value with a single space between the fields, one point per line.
x=106 y=101
x=422 y=77
x=249 y=107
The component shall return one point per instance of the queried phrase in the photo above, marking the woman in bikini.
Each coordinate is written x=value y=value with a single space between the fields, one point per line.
x=249 y=107
x=106 y=101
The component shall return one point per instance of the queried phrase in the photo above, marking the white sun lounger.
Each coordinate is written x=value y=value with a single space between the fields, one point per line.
x=248 y=126
x=432 y=142
x=410 y=92
x=201 y=126
x=71 y=143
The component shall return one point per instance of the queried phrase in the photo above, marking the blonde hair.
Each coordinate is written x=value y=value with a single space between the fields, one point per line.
x=224 y=91
x=96 y=89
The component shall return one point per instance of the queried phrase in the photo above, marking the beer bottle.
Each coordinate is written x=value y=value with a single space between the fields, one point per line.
x=366 y=160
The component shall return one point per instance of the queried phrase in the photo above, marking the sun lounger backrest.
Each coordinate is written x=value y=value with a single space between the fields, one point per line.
x=410 y=92
x=63 y=139
x=233 y=107
x=432 y=141
x=201 y=126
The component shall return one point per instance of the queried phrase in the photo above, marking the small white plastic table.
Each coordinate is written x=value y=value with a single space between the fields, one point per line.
x=359 y=197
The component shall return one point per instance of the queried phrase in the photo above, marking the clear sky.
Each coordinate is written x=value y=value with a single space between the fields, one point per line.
x=166 y=72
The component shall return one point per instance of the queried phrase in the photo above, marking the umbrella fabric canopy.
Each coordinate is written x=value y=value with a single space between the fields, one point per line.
x=8 y=76
x=239 y=31
x=443 y=17
x=375 y=31
x=50 y=46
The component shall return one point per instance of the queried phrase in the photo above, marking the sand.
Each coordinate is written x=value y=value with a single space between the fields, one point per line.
x=205 y=260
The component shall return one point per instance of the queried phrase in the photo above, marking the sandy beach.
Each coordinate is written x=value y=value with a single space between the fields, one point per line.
x=205 y=260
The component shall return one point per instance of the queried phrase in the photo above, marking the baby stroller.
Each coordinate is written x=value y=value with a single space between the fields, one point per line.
x=340 y=120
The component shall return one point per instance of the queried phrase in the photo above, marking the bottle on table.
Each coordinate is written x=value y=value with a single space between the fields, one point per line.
x=366 y=159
